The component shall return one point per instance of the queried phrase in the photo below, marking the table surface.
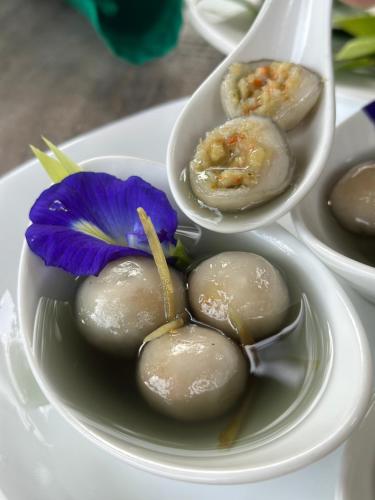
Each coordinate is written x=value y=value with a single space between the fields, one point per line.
x=59 y=80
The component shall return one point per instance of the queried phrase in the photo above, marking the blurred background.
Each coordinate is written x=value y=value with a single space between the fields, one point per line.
x=59 y=78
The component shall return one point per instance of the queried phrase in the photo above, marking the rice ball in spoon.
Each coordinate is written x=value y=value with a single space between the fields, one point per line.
x=241 y=164
x=117 y=309
x=284 y=91
x=241 y=294
x=352 y=199
x=194 y=373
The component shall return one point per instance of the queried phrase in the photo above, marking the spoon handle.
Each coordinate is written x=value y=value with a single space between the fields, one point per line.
x=298 y=30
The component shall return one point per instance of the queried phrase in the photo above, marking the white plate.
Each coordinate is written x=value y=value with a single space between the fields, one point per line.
x=224 y=33
x=41 y=456
x=357 y=477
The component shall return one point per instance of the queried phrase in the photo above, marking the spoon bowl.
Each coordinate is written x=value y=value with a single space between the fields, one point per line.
x=289 y=30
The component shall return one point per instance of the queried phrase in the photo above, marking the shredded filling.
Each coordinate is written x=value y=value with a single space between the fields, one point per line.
x=267 y=88
x=231 y=158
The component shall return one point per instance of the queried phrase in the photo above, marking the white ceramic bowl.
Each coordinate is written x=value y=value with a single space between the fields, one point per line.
x=354 y=142
x=358 y=462
x=222 y=24
x=334 y=399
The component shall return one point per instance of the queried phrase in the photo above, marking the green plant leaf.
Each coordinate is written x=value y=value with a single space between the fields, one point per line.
x=70 y=166
x=359 y=65
x=57 y=168
x=358 y=47
x=357 y=26
x=341 y=9
x=183 y=260
x=53 y=167
x=339 y=39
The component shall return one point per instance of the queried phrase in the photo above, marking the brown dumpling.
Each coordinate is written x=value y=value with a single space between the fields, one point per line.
x=117 y=309
x=239 y=290
x=241 y=164
x=352 y=199
x=281 y=90
x=194 y=373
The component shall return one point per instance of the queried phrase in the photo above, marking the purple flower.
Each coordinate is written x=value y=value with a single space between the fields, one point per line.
x=89 y=219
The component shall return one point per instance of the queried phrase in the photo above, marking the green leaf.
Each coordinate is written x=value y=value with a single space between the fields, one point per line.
x=57 y=168
x=70 y=166
x=359 y=65
x=358 y=47
x=339 y=39
x=340 y=10
x=53 y=167
x=183 y=260
x=357 y=26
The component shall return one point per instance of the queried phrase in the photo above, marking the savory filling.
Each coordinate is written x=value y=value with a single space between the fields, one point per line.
x=230 y=157
x=267 y=88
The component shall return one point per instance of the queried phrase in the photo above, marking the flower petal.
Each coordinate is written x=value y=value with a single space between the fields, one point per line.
x=88 y=219
x=106 y=202
x=75 y=252
x=140 y=193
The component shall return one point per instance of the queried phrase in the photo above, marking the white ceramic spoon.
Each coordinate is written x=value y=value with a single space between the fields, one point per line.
x=290 y=30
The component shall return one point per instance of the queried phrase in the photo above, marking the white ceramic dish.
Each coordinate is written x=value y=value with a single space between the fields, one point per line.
x=42 y=456
x=318 y=423
x=296 y=31
x=224 y=26
x=354 y=142
x=357 y=476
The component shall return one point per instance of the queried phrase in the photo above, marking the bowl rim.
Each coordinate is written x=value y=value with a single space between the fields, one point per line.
x=337 y=259
x=243 y=474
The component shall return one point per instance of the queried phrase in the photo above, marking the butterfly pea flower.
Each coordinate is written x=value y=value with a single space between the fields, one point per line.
x=89 y=219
